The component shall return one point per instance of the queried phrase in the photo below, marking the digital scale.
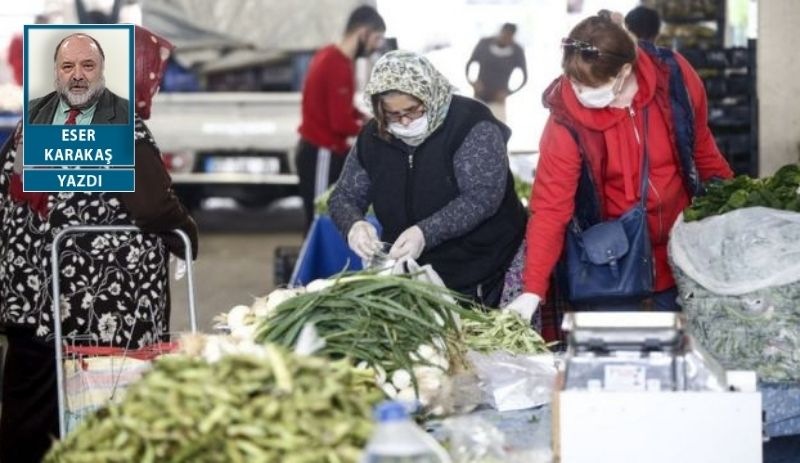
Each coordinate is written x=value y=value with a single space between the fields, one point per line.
x=635 y=387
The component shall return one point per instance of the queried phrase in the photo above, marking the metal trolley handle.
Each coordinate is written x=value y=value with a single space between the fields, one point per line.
x=187 y=245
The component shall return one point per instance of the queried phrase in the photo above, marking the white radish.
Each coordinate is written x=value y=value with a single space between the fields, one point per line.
x=389 y=390
x=426 y=351
x=380 y=375
x=401 y=379
x=319 y=285
x=439 y=361
x=429 y=378
x=277 y=297
x=244 y=332
x=407 y=395
x=261 y=306
x=237 y=316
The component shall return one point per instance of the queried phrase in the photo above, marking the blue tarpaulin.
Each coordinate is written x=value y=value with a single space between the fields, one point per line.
x=325 y=252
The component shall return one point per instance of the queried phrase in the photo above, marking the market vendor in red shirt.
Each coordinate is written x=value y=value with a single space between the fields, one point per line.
x=329 y=114
x=598 y=109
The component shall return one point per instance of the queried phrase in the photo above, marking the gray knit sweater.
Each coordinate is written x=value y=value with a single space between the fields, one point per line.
x=481 y=170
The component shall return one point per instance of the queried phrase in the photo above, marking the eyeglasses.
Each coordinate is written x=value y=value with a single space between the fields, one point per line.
x=586 y=49
x=412 y=114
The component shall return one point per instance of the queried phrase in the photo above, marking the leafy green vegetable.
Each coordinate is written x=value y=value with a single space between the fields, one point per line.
x=523 y=189
x=321 y=201
x=778 y=192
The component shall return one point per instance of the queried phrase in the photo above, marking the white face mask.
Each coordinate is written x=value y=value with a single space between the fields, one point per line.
x=599 y=97
x=602 y=96
x=414 y=129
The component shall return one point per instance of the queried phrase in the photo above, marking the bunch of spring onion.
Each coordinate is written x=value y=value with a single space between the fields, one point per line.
x=388 y=322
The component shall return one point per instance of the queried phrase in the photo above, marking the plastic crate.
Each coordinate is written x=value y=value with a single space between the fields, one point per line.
x=285 y=260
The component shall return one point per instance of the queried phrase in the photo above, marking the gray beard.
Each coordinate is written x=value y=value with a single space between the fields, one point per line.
x=81 y=100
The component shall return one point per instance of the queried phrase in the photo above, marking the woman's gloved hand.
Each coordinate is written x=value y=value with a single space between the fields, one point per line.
x=525 y=304
x=363 y=239
x=409 y=244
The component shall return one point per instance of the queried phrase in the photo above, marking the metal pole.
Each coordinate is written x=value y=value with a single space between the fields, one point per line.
x=187 y=246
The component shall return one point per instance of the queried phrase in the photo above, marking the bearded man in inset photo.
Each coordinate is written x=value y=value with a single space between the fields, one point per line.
x=80 y=95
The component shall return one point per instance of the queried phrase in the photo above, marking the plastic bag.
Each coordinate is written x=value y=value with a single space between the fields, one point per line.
x=180 y=268
x=424 y=273
x=515 y=382
x=473 y=439
x=702 y=371
x=95 y=382
x=738 y=276
x=739 y=252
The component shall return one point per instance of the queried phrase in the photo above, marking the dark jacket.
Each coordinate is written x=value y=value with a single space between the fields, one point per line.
x=111 y=109
x=411 y=183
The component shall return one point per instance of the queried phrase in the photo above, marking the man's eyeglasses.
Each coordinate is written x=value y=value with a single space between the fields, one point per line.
x=586 y=49
x=413 y=114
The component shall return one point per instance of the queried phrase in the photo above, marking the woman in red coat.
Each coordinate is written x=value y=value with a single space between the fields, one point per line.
x=597 y=115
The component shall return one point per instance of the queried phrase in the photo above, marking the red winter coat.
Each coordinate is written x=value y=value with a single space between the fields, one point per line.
x=557 y=174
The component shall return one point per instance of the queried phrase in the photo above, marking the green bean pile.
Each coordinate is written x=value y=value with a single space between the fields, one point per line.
x=280 y=408
x=378 y=319
x=503 y=330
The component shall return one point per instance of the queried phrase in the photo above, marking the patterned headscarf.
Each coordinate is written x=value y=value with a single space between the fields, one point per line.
x=413 y=74
x=152 y=52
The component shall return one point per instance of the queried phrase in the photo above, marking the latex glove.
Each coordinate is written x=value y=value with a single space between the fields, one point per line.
x=409 y=244
x=525 y=304
x=363 y=239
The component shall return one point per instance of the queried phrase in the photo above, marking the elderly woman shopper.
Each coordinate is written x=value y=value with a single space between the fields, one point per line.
x=627 y=126
x=433 y=166
x=115 y=286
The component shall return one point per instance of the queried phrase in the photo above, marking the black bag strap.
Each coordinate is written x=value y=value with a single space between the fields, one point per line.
x=645 y=163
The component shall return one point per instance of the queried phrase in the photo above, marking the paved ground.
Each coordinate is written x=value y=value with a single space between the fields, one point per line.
x=236 y=258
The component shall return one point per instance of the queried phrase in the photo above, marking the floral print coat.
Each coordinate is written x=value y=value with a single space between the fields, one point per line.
x=114 y=286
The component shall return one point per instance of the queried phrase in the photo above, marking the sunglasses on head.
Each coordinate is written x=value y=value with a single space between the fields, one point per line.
x=586 y=49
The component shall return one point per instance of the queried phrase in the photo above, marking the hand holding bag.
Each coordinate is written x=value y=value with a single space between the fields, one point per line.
x=612 y=260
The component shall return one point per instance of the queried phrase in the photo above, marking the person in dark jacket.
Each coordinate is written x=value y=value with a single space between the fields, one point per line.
x=497 y=57
x=644 y=23
x=114 y=285
x=80 y=95
x=433 y=166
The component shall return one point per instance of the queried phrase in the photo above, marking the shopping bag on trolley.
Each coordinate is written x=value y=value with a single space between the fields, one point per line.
x=97 y=376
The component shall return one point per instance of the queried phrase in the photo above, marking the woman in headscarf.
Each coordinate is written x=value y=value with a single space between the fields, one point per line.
x=115 y=286
x=433 y=165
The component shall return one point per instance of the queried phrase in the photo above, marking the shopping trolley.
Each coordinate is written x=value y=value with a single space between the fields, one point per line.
x=121 y=366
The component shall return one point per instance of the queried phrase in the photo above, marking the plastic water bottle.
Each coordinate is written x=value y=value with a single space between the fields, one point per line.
x=397 y=439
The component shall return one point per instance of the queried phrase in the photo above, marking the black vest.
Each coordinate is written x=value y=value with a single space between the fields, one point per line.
x=409 y=184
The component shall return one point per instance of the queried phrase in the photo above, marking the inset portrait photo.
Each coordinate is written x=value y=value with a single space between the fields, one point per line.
x=78 y=75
